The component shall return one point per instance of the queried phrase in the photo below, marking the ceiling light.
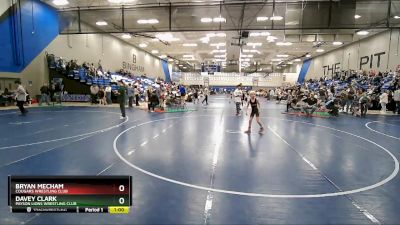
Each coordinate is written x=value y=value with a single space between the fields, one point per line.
x=184 y=67
x=276 y=18
x=211 y=35
x=396 y=17
x=60 y=2
x=247 y=56
x=121 y=1
x=180 y=65
x=258 y=34
x=163 y=56
x=155 y=51
x=101 y=23
x=337 y=43
x=170 y=60
x=219 y=20
x=282 y=56
x=219 y=60
x=143 y=45
x=218 y=44
x=271 y=38
x=205 y=40
x=152 y=21
x=284 y=43
x=262 y=18
x=126 y=36
x=149 y=21
x=276 y=60
x=218 y=51
x=220 y=56
x=166 y=37
x=189 y=45
x=187 y=56
x=206 y=20
x=297 y=60
x=308 y=56
x=220 y=35
x=254 y=44
x=320 y=50
x=362 y=32
x=357 y=16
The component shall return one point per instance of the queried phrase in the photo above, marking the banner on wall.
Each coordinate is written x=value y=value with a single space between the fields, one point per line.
x=75 y=98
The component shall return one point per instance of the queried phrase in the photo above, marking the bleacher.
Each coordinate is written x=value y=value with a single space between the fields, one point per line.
x=384 y=84
x=81 y=76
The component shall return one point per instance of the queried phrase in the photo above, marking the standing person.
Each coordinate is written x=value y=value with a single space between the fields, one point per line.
x=396 y=98
x=206 y=93
x=44 y=94
x=255 y=111
x=195 y=96
x=108 y=94
x=271 y=94
x=289 y=100
x=153 y=101
x=364 y=101
x=102 y=97
x=350 y=99
x=383 y=100
x=21 y=97
x=182 y=91
x=58 y=89
x=94 y=90
x=130 y=95
x=238 y=99
x=121 y=99
x=51 y=92
x=243 y=97
x=137 y=95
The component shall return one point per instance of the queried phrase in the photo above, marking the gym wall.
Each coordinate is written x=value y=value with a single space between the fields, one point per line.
x=379 y=52
x=25 y=58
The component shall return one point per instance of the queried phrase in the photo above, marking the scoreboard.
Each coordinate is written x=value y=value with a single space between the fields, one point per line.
x=69 y=194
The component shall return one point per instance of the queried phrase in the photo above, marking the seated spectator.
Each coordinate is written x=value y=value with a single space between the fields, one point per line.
x=333 y=107
x=311 y=105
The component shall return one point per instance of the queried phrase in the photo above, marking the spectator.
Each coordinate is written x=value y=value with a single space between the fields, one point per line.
x=182 y=91
x=122 y=100
x=44 y=94
x=137 y=95
x=102 y=96
x=311 y=105
x=20 y=97
x=238 y=98
x=364 y=101
x=153 y=101
x=383 y=100
x=130 y=95
x=396 y=98
x=94 y=90
x=206 y=92
x=108 y=94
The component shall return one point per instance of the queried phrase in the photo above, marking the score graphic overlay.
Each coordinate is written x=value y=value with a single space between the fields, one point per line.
x=69 y=194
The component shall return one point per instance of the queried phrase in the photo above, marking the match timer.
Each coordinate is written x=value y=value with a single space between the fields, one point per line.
x=70 y=194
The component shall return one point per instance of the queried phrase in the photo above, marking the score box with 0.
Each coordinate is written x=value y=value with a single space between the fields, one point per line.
x=59 y=191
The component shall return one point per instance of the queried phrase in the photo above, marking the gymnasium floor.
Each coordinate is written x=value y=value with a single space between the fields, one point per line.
x=200 y=168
